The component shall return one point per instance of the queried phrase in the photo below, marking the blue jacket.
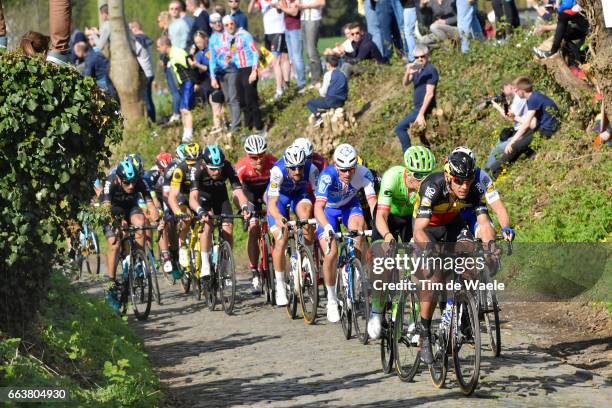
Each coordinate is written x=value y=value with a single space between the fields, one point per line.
x=338 y=86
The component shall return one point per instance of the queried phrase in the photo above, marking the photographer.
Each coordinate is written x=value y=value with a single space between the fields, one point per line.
x=515 y=112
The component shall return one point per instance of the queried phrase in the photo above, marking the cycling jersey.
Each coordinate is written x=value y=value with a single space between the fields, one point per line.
x=114 y=193
x=433 y=201
x=210 y=188
x=484 y=184
x=153 y=180
x=250 y=178
x=281 y=183
x=180 y=176
x=394 y=196
x=336 y=194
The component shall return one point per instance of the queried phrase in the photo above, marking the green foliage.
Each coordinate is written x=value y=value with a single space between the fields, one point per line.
x=84 y=347
x=55 y=129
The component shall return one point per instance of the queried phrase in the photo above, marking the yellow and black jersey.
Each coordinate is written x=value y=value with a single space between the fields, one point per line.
x=434 y=201
x=181 y=177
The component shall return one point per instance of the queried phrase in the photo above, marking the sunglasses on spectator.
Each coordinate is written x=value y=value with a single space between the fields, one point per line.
x=256 y=157
x=420 y=56
x=419 y=175
x=347 y=170
x=461 y=181
x=295 y=168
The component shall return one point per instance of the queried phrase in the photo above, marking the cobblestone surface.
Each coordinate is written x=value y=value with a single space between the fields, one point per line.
x=259 y=357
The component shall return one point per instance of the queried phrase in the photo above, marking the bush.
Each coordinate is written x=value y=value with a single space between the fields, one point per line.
x=55 y=130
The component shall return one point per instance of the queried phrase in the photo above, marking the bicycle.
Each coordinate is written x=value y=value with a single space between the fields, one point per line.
x=190 y=275
x=155 y=269
x=84 y=244
x=354 y=301
x=222 y=280
x=265 y=265
x=303 y=282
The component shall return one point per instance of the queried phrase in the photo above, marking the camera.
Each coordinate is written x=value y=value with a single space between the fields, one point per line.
x=497 y=98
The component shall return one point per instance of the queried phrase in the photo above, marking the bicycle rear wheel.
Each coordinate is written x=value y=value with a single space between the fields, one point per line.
x=292 y=287
x=405 y=338
x=491 y=320
x=346 y=318
x=309 y=288
x=153 y=264
x=361 y=301
x=465 y=337
x=92 y=249
x=141 y=288
x=227 y=277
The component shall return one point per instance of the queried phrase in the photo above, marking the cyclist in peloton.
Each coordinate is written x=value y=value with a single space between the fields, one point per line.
x=289 y=181
x=336 y=196
x=121 y=193
x=209 y=196
x=178 y=196
x=436 y=218
x=393 y=215
x=311 y=156
x=253 y=170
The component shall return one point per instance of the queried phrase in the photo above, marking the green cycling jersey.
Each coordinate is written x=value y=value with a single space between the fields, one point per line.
x=394 y=194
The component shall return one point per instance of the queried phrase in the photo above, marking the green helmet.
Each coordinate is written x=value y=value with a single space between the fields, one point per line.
x=419 y=159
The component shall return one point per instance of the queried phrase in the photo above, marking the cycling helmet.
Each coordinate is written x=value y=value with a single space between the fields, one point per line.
x=163 y=159
x=419 y=159
x=192 y=151
x=255 y=144
x=213 y=156
x=345 y=156
x=306 y=145
x=460 y=164
x=137 y=161
x=466 y=150
x=180 y=152
x=126 y=171
x=294 y=156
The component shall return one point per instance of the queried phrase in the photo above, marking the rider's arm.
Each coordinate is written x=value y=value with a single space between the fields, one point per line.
x=419 y=234
x=501 y=213
x=175 y=190
x=369 y=190
x=276 y=180
x=323 y=186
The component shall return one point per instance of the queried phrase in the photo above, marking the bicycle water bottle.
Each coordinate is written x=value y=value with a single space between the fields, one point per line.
x=215 y=253
x=125 y=266
x=446 y=315
x=294 y=263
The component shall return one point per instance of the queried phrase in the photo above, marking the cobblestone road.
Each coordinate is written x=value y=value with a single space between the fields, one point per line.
x=259 y=357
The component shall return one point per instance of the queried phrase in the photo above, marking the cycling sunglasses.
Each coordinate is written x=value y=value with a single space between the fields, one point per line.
x=420 y=175
x=213 y=168
x=128 y=183
x=256 y=157
x=347 y=170
x=461 y=180
x=295 y=168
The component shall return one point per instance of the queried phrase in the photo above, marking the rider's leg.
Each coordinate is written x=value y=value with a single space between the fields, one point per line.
x=303 y=210
x=137 y=219
x=113 y=253
x=205 y=244
x=253 y=243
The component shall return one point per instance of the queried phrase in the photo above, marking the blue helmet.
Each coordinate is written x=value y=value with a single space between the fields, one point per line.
x=213 y=156
x=137 y=161
x=126 y=171
x=180 y=152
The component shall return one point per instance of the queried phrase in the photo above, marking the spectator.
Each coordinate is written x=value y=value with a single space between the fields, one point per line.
x=293 y=35
x=468 y=24
x=223 y=72
x=142 y=48
x=239 y=17
x=246 y=58
x=310 y=16
x=188 y=19
x=177 y=62
x=363 y=49
x=409 y=18
x=201 y=20
x=178 y=29
x=333 y=91
x=391 y=21
x=96 y=66
x=33 y=43
x=75 y=36
x=506 y=10
x=219 y=9
x=101 y=37
x=3 y=40
x=425 y=77
x=373 y=25
x=274 y=30
x=340 y=49
x=163 y=21
x=514 y=112
x=444 y=26
x=540 y=107
x=568 y=12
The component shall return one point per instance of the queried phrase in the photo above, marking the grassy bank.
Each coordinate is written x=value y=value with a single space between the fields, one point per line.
x=80 y=345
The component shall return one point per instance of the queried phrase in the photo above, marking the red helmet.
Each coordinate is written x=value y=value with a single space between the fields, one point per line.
x=163 y=159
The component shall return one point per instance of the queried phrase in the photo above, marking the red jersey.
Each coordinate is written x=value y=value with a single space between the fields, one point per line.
x=319 y=161
x=249 y=177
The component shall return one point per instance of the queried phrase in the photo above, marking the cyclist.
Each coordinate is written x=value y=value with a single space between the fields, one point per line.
x=289 y=181
x=315 y=158
x=336 y=196
x=209 y=196
x=121 y=193
x=437 y=205
x=253 y=170
x=363 y=200
x=178 y=196
x=394 y=210
x=155 y=177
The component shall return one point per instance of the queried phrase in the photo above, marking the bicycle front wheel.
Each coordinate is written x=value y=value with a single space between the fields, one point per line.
x=267 y=271
x=386 y=343
x=154 y=268
x=465 y=337
x=141 y=288
x=361 y=301
x=491 y=320
x=406 y=338
x=309 y=289
x=346 y=318
x=292 y=287
x=227 y=277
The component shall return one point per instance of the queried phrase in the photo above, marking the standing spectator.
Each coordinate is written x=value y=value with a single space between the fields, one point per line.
x=178 y=29
x=468 y=24
x=410 y=19
x=163 y=21
x=311 y=15
x=201 y=20
x=246 y=58
x=363 y=49
x=293 y=35
x=142 y=47
x=444 y=26
x=425 y=77
x=506 y=10
x=239 y=17
x=274 y=30
x=568 y=11
x=223 y=72
x=390 y=16
x=219 y=9
x=177 y=62
x=539 y=107
x=188 y=19
x=96 y=66
x=373 y=25
x=102 y=36
x=333 y=91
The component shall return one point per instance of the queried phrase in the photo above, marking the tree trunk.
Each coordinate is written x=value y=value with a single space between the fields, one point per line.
x=577 y=88
x=124 y=71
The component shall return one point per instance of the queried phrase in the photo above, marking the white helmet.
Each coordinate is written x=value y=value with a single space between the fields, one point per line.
x=465 y=150
x=255 y=144
x=345 y=156
x=304 y=144
x=294 y=156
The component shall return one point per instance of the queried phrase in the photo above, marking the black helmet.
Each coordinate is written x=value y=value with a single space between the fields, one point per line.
x=460 y=164
x=213 y=156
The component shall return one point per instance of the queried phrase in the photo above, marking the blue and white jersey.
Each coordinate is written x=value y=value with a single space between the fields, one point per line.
x=484 y=184
x=337 y=194
x=281 y=182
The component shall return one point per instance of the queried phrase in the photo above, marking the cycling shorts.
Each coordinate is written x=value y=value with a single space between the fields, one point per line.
x=350 y=209
x=292 y=201
x=125 y=212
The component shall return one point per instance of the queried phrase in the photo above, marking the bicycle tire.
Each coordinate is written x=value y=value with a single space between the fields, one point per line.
x=96 y=247
x=267 y=271
x=156 y=293
x=227 y=278
x=292 y=287
x=360 y=308
x=460 y=338
x=210 y=287
x=405 y=329
x=345 y=315
x=309 y=289
x=386 y=345
x=439 y=369
x=492 y=326
x=141 y=288
x=185 y=279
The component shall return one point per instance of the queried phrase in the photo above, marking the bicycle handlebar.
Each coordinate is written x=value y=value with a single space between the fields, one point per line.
x=353 y=234
x=301 y=223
